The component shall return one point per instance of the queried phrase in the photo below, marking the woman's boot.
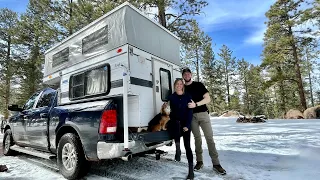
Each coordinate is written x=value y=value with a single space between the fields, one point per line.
x=191 y=172
x=177 y=157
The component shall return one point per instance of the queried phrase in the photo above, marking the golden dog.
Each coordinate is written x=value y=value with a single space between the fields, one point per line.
x=160 y=121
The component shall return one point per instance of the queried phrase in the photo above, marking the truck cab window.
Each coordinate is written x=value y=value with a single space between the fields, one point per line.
x=165 y=83
x=31 y=101
x=46 y=98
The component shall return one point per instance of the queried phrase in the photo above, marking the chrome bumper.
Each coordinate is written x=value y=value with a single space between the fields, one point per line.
x=116 y=150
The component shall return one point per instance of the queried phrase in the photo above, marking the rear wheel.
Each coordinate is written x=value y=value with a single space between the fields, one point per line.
x=7 y=143
x=71 y=161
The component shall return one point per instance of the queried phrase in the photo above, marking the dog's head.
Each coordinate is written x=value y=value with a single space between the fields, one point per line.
x=165 y=109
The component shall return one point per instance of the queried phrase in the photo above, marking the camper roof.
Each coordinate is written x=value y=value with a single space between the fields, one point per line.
x=121 y=26
x=106 y=15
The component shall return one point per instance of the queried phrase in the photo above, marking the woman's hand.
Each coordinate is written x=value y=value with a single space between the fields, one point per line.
x=185 y=129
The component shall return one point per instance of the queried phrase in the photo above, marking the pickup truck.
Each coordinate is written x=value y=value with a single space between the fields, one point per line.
x=75 y=134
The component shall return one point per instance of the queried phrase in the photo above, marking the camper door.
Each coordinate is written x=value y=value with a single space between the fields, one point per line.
x=163 y=84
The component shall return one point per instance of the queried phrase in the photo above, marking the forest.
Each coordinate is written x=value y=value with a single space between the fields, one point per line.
x=287 y=77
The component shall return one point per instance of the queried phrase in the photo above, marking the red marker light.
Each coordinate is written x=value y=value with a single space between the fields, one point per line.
x=119 y=50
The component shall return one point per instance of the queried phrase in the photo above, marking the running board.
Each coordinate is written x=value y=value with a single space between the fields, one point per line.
x=33 y=152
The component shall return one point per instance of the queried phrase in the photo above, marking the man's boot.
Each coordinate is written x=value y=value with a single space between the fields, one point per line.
x=198 y=166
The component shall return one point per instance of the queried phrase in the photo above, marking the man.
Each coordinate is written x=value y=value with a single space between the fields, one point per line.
x=200 y=97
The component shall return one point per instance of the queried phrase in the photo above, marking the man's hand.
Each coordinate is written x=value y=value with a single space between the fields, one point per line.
x=191 y=104
x=185 y=129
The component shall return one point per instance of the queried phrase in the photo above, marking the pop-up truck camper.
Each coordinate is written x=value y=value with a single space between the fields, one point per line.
x=109 y=80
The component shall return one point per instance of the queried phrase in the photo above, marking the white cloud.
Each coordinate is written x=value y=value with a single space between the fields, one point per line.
x=228 y=14
x=220 y=12
x=256 y=37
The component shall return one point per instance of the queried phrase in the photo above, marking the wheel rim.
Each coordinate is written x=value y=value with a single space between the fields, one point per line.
x=69 y=158
x=7 y=143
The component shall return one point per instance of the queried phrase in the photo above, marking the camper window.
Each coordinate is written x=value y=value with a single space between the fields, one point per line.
x=92 y=82
x=165 y=83
x=60 y=57
x=94 y=40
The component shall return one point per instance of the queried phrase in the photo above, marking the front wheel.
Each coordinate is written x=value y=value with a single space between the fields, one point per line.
x=7 y=143
x=71 y=161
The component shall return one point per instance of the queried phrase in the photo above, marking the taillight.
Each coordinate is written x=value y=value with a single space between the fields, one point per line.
x=108 y=123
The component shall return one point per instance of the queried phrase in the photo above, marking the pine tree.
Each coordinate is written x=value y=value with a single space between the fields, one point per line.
x=282 y=44
x=8 y=23
x=256 y=90
x=36 y=35
x=235 y=100
x=243 y=68
x=229 y=64
x=212 y=73
x=194 y=50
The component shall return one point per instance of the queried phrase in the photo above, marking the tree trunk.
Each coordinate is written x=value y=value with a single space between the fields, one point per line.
x=311 y=92
x=282 y=92
x=33 y=75
x=298 y=72
x=71 y=16
x=197 y=64
x=8 y=78
x=309 y=75
x=162 y=13
x=228 y=86
x=283 y=97
x=247 y=95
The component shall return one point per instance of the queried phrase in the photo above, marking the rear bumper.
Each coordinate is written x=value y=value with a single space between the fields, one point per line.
x=107 y=150
x=138 y=142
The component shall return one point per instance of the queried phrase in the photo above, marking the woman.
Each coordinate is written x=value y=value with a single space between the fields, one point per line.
x=180 y=122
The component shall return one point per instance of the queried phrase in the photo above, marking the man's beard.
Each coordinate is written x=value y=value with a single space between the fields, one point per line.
x=187 y=80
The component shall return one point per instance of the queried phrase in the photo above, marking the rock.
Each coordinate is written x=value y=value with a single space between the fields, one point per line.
x=294 y=114
x=230 y=114
x=214 y=114
x=3 y=168
x=254 y=119
x=312 y=113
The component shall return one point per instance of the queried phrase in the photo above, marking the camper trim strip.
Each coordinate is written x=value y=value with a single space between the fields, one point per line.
x=119 y=83
x=141 y=82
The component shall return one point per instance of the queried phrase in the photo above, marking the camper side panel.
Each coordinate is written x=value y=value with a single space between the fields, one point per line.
x=142 y=87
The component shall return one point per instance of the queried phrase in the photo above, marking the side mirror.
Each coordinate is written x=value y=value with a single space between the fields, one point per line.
x=14 y=107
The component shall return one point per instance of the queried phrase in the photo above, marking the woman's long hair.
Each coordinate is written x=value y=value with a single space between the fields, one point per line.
x=175 y=83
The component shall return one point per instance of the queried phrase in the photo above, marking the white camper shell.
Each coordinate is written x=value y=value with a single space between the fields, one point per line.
x=123 y=54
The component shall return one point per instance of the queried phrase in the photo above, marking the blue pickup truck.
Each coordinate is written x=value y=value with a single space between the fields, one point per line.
x=73 y=134
x=109 y=79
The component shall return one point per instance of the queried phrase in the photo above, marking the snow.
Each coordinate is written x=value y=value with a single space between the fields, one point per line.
x=278 y=149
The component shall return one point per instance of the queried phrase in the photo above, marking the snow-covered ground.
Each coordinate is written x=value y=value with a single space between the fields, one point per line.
x=278 y=149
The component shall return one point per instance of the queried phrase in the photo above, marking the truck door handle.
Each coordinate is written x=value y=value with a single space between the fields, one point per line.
x=44 y=115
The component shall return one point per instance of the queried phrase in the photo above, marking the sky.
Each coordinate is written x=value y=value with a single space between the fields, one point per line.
x=239 y=24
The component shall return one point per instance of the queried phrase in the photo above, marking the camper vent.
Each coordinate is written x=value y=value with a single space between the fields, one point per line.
x=60 y=57
x=92 y=41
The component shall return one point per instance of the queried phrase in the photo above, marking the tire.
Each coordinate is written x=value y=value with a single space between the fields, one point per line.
x=71 y=160
x=7 y=143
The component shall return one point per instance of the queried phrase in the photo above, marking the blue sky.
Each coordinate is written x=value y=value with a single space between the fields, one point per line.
x=239 y=24
x=15 y=5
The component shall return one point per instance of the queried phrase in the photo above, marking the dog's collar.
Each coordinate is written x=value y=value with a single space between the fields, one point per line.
x=163 y=114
